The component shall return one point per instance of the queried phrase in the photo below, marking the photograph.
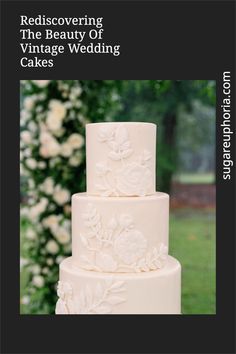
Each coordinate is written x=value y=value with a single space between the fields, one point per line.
x=117 y=177
x=117 y=197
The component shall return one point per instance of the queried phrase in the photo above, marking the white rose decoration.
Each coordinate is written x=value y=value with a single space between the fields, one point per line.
x=52 y=247
x=27 y=153
x=48 y=151
x=45 y=270
x=130 y=245
x=58 y=108
x=25 y=300
x=51 y=222
x=38 y=281
x=62 y=235
x=38 y=208
x=23 y=262
x=26 y=137
x=61 y=196
x=163 y=252
x=35 y=269
x=75 y=160
x=76 y=141
x=53 y=122
x=24 y=116
x=56 y=114
x=31 y=163
x=134 y=180
x=49 y=145
x=66 y=150
x=42 y=165
x=34 y=212
x=30 y=234
x=53 y=148
x=32 y=126
x=77 y=91
x=106 y=133
x=49 y=261
x=45 y=137
x=29 y=102
x=48 y=185
x=41 y=83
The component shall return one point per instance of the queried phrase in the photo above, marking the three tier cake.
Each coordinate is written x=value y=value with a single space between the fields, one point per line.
x=120 y=230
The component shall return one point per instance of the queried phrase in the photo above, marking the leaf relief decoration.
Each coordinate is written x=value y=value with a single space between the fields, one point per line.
x=130 y=178
x=100 y=299
x=117 y=246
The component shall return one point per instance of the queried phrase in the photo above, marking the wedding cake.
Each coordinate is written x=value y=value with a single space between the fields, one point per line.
x=120 y=230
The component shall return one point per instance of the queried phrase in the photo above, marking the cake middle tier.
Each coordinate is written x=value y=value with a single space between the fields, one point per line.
x=128 y=234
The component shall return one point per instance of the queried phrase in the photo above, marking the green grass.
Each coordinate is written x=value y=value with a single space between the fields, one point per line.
x=195 y=178
x=192 y=242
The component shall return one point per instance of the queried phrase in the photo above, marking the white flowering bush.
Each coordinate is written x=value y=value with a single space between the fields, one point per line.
x=52 y=167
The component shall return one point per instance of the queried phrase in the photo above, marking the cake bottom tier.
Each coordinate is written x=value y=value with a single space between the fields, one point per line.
x=87 y=292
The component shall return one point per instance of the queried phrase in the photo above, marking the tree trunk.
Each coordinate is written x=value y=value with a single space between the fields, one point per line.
x=169 y=149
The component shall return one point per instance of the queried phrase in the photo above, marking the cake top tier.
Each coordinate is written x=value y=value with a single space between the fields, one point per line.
x=121 y=159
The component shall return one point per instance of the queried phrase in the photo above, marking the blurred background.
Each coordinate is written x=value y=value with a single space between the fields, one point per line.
x=52 y=167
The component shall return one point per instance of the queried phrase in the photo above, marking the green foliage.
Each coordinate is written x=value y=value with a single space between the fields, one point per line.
x=168 y=103
x=196 y=151
x=53 y=164
x=53 y=118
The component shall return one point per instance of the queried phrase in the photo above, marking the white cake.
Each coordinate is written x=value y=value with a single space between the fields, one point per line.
x=120 y=230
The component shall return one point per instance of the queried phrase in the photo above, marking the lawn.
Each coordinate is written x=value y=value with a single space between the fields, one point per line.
x=192 y=242
x=195 y=178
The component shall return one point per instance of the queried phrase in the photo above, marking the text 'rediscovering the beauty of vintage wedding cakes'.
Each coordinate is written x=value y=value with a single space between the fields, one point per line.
x=120 y=230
